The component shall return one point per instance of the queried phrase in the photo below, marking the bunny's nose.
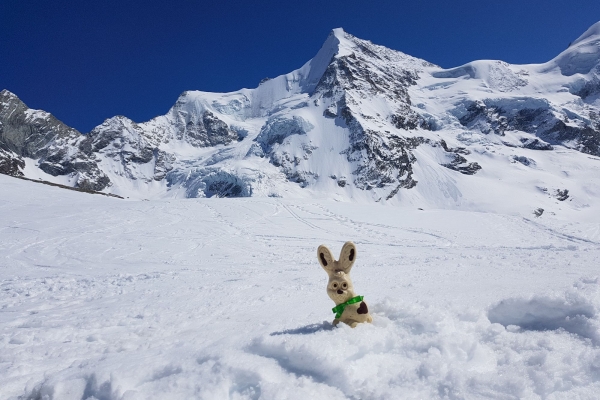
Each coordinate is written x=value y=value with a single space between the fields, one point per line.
x=340 y=291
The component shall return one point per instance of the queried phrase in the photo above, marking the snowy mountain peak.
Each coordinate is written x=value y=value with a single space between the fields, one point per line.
x=316 y=67
x=9 y=99
x=305 y=79
x=6 y=94
x=346 y=44
x=593 y=33
x=338 y=32
x=582 y=56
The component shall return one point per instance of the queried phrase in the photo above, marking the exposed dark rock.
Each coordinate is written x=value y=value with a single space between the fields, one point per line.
x=341 y=182
x=55 y=169
x=217 y=131
x=26 y=132
x=587 y=138
x=330 y=112
x=77 y=189
x=561 y=195
x=356 y=73
x=288 y=163
x=523 y=160
x=409 y=121
x=589 y=89
x=202 y=130
x=300 y=105
x=60 y=150
x=300 y=177
x=162 y=165
x=528 y=120
x=383 y=158
x=276 y=130
x=538 y=212
x=223 y=188
x=536 y=144
x=485 y=119
x=541 y=121
x=458 y=162
x=40 y=136
x=95 y=184
x=10 y=163
x=125 y=142
x=457 y=150
x=241 y=133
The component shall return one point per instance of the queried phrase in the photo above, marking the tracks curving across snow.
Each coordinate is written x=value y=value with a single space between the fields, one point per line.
x=223 y=298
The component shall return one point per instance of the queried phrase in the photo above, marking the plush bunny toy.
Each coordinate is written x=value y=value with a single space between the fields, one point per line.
x=349 y=309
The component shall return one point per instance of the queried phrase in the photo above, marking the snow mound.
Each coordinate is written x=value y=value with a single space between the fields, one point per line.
x=571 y=312
x=420 y=351
x=498 y=75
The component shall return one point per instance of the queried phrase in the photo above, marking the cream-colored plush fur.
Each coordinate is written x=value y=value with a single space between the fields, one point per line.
x=339 y=287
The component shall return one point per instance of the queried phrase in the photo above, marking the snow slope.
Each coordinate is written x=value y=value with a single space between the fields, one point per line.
x=214 y=298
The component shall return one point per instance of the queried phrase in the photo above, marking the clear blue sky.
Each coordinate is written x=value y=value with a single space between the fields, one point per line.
x=85 y=61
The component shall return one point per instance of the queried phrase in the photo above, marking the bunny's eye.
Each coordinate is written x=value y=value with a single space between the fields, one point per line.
x=335 y=285
x=344 y=285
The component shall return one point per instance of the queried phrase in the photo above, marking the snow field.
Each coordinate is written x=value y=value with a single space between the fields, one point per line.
x=223 y=298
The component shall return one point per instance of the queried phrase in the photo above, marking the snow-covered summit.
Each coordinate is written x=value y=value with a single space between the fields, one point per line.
x=7 y=95
x=593 y=33
x=357 y=122
x=582 y=56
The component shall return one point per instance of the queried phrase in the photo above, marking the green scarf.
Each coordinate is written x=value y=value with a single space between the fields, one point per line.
x=339 y=309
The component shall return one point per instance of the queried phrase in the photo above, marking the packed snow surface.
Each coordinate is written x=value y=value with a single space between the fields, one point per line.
x=105 y=299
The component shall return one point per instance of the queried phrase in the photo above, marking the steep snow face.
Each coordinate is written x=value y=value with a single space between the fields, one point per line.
x=593 y=33
x=361 y=122
x=583 y=55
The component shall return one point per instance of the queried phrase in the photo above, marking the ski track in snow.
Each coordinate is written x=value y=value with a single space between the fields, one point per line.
x=223 y=298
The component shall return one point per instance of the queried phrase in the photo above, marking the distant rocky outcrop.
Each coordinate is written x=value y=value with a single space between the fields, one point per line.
x=538 y=117
x=10 y=163
x=39 y=136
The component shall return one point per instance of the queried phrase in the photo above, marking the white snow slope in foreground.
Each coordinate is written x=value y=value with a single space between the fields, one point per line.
x=108 y=299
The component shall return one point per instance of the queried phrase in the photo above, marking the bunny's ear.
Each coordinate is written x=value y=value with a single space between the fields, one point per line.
x=347 y=256
x=325 y=258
